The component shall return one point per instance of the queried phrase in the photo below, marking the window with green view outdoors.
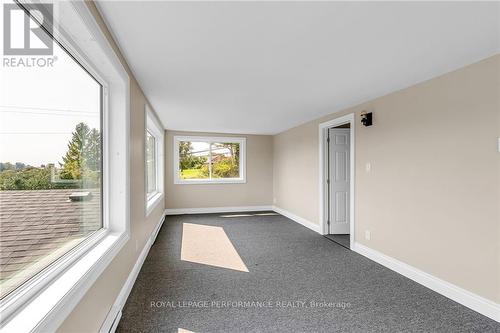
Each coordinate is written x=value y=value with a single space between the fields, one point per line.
x=209 y=160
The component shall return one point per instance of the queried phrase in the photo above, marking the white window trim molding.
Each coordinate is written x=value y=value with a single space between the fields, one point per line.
x=226 y=139
x=155 y=128
x=43 y=303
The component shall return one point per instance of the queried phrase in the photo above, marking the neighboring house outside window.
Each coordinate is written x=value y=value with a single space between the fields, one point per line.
x=199 y=160
x=154 y=160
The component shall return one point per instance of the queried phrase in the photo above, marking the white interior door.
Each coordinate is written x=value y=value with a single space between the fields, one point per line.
x=338 y=185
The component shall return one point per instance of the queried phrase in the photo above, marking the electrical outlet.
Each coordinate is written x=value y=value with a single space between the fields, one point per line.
x=368 y=234
x=368 y=167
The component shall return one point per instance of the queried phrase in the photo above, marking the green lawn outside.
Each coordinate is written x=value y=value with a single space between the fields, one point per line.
x=193 y=174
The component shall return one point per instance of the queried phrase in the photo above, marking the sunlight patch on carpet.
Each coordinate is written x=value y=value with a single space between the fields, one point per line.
x=182 y=330
x=209 y=245
x=236 y=215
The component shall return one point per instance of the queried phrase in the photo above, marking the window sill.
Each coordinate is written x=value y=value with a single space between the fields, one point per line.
x=46 y=311
x=210 y=181
x=152 y=202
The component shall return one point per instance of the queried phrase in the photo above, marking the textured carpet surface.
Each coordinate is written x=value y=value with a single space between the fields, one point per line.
x=297 y=281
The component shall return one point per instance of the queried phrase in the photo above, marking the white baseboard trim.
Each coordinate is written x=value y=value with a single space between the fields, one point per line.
x=298 y=219
x=179 y=211
x=475 y=302
x=114 y=315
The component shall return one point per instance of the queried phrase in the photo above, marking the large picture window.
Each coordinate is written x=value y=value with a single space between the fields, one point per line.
x=209 y=160
x=64 y=164
x=51 y=165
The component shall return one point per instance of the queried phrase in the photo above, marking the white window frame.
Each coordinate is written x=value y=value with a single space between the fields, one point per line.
x=211 y=139
x=154 y=127
x=42 y=303
x=155 y=161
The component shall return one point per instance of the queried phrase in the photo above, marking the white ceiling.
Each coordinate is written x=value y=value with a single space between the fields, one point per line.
x=262 y=67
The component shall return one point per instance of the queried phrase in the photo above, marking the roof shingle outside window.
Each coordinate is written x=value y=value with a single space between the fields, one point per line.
x=37 y=227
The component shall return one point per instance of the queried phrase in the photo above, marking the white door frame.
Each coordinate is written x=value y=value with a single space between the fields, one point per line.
x=323 y=163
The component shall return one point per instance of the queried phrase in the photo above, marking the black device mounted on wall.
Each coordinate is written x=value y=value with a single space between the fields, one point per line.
x=366 y=118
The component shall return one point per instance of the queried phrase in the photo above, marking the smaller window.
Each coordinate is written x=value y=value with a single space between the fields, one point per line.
x=209 y=160
x=151 y=164
x=154 y=161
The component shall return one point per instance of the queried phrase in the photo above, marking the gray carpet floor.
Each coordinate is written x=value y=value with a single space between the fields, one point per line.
x=288 y=264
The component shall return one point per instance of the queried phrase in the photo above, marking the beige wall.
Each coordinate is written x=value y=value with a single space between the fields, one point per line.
x=91 y=312
x=432 y=198
x=257 y=191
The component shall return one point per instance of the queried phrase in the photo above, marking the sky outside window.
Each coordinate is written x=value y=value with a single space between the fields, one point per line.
x=40 y=107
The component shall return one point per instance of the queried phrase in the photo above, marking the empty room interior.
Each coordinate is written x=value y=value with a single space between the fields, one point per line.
x=302 y=166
